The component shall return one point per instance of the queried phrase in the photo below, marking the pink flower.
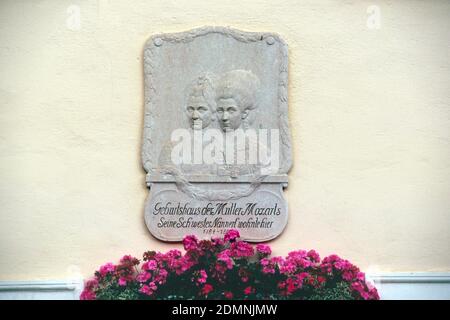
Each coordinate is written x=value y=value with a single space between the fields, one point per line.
x=122 y=282
x=241 y=249
x=162 y=274
x=228 y=295
x=373 y=294
x=365 y=293
x=299 y=258
x=173 y=254
x=282 y=287
x=313 y=256
x=190 y=242
x=203 y=277
x=88 y=292
x=361 y=276
x=150 y=265
x=332 y=258
x=148 y=289
x=341 y=265
x=267 y=266
x=231 y=235
x=91 y=284
x=171 y=258
x=217 y=242
x=224 y=256
x=207 y=288
x=128 y=259
x=288 y=266
x=263 y=249
x=249 y=290
x=278 y=260
x=326 y=268
x=183 y=264
x=348 y=276
x=290 y=286
x=301 y=276
x=358 y=287
x=106 y=269
x=87 y=295
x=144 y=276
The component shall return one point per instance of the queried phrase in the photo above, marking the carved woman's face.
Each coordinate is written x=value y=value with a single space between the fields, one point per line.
x=230 y=114
x=199 y=113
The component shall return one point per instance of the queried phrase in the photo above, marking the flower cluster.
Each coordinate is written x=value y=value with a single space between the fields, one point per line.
x=228 y=268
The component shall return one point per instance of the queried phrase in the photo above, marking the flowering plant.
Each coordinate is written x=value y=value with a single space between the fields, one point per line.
x=229 y=269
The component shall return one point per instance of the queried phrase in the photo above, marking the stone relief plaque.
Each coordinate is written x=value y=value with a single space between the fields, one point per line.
x=216 y=142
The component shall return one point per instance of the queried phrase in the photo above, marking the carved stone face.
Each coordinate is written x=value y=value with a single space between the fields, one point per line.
x=230 y=114
x=199 y=112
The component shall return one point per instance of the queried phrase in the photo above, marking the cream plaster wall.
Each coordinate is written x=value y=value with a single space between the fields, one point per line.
x=369 y=112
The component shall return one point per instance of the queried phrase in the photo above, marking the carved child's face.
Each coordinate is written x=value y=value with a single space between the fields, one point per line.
x=198 y=112
x=230 y=114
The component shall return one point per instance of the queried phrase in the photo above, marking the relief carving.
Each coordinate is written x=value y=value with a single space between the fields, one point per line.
x=216 y=128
